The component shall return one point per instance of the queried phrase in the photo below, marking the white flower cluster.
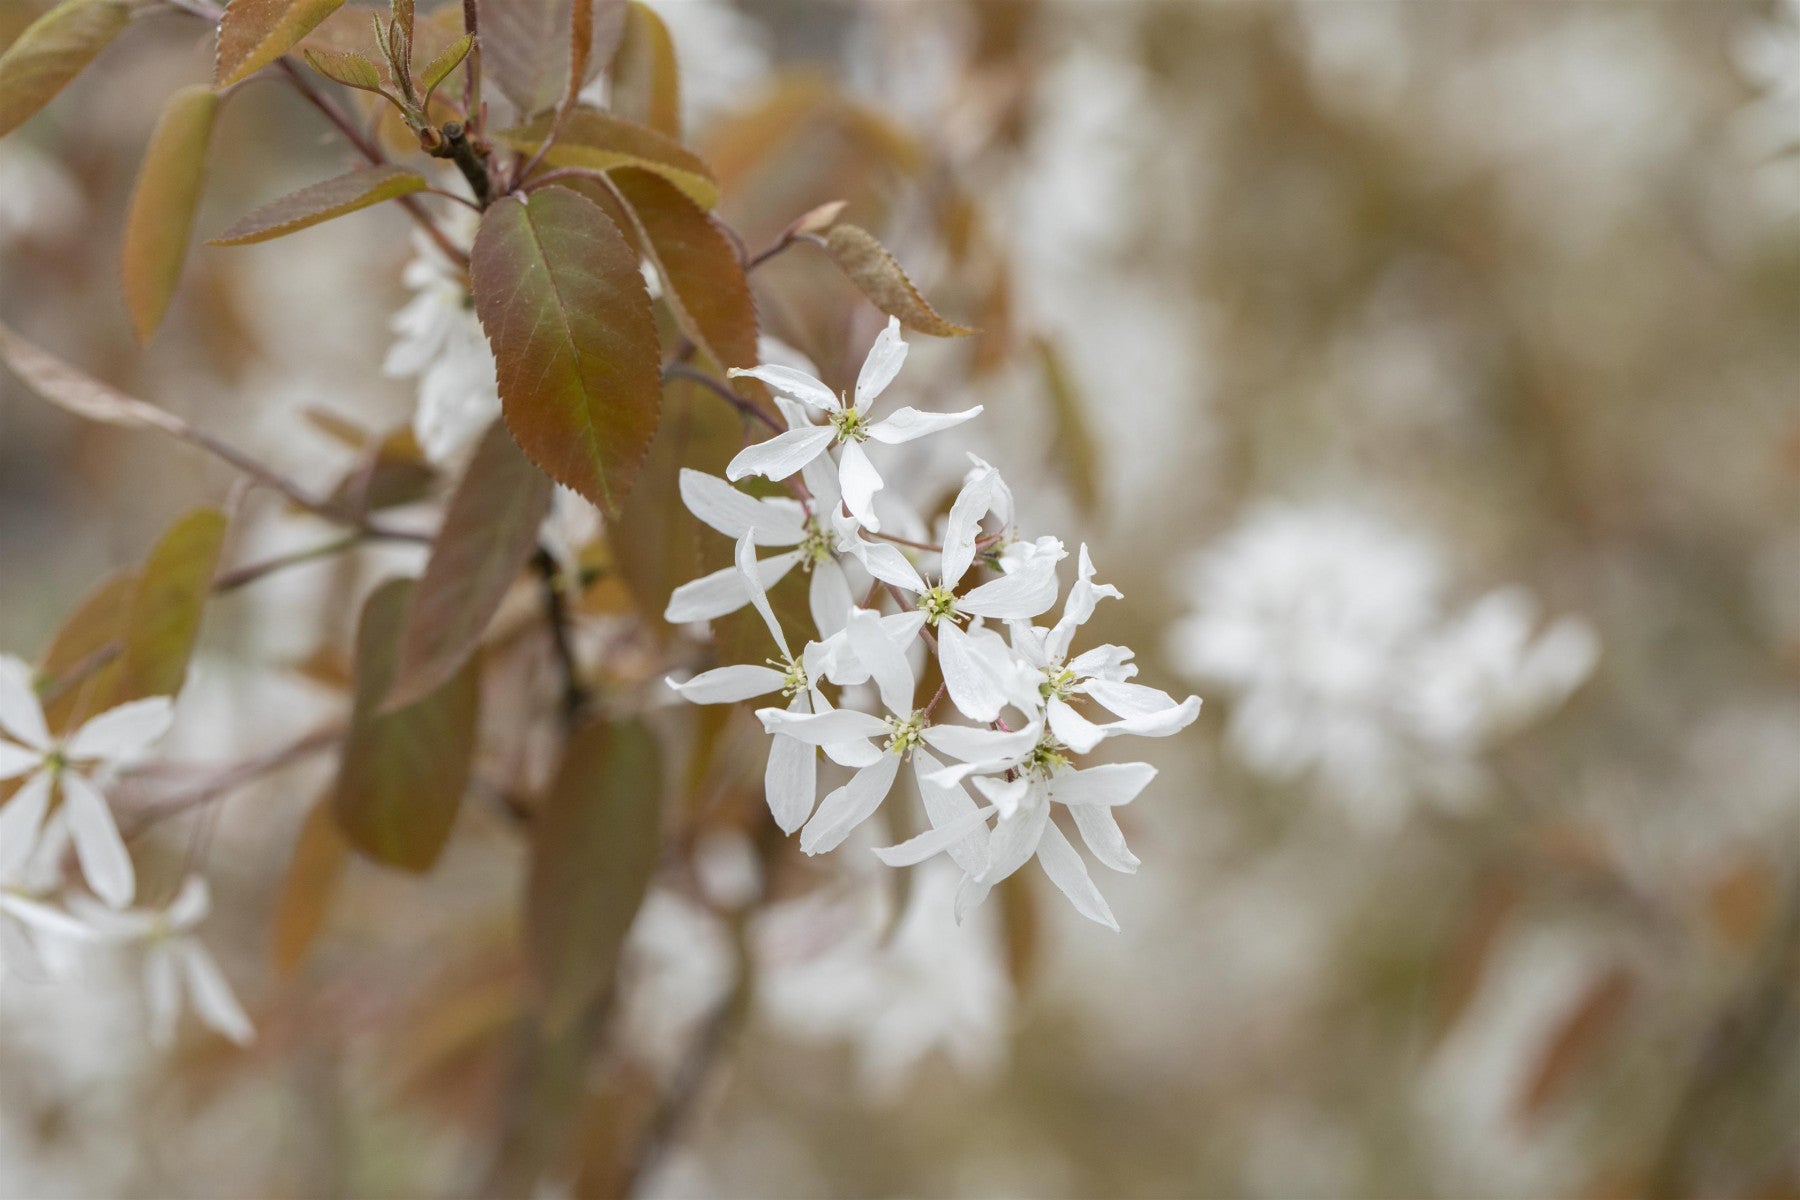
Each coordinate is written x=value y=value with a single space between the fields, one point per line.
x=61 y=804
x=1014 y=726
x=1329 y=625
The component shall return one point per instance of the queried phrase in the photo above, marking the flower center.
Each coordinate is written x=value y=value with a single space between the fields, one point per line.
x=939 y=604
x=849 y=425
x=793 y=676
x=1058 y=683
x=815 y=547
x=906 y=733
x=1046 y=758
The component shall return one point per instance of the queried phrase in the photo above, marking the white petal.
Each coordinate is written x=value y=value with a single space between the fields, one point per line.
x=1102 y=835
x=724 y=591
x=776 y=521
x=1070 y=875
x=20 y=713
x=759 y=596
x=860 y=481
x=970 y=671
x=883 y=660
x=842 y=811
x=790 y=780
x=43 y=918
x=883 y=363
x=795 y=385
x=971 y=894
x=828 y=596
x=190 y=905
x=122 y=734
x=1146 y=711
x=935 y=840
x=855 y=755
x=162 y=992
x=782 y=454
x=21 y=819
x=16 y=760
x=963 y=526
x=1025 y=592
x=821 y=479
x=1015 y=839
x=981 y=745
x=946 y=805
x=1071 y=728
x=213 y=997
x=1006 y=794
x=1109 y=785
x=906 y=424
x=728 y=685
x=819 y=729
x=105 y=862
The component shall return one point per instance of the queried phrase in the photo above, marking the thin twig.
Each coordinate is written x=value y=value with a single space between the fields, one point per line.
x=681 y=370
x=238 y=776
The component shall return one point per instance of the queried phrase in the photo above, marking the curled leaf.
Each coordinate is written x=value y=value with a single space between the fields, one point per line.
x=439 y=68
x=345 y=67
x=53 y=50
x=872 y=269
x=161 y=217
x=322 y=202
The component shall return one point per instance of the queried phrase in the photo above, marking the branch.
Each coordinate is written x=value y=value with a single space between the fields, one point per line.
x=556 y=615
x=681 y=370
x=238 y=776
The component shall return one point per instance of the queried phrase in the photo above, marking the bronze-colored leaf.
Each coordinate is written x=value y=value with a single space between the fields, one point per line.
x=81 y=394
x=53 y=50
x=320 y=853
x=600 y=141
x=704 y=284
x=345 y=67
x=593 y=852
x=579 y=370
x=161 y=217
x=489 y=532
x=521 y=40
x=1576 y=1038
x=163 y=621
x=87 y=645
x=323 y=202
x=871 y=268
x=393 y=471
x=403 y=773
x=646 y=83
x=254 y=33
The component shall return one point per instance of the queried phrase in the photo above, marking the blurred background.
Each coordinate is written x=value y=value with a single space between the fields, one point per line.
x=1424 y=374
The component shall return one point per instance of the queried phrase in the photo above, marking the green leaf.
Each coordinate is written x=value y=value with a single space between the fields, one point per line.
x=522 y=43
x=490 y=529
x=51 y=51
x=705 y=287
x=403 y=773
x=600 y=141
x=322 y=202
x=594 y=849
x=439 y=68
x=871 y=268
x=565 y=310
x=163 y=622
x=646 y=83
x=347 y=68
x=254 y=33
x=161 y=217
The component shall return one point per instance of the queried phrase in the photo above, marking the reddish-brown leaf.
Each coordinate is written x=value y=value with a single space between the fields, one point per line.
x=489 y=531
x=320 y=853
x=254 y=33
x=53 y=50
x=322 y=202
x=565 y=310
x=403 y=773
x=522 y=43
x=161 y=217
x=872 y=269
x=593 y=852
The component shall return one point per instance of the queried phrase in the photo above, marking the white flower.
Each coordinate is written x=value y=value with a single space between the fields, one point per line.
x=439 y=340
x=65 y=767
x=175 y=961
x=1330 y=627
x=847 y=425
